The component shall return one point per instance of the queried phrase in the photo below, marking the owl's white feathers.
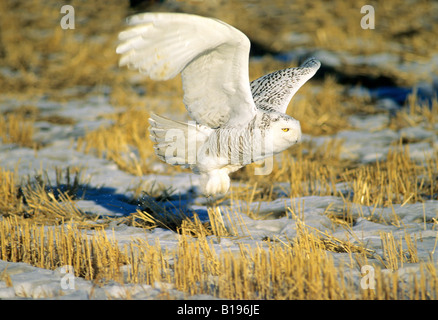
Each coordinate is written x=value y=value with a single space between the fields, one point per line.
x=235 y=122
x=211 y=55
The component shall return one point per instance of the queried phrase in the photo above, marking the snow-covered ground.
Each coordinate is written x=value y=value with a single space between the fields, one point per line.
x=110 y=191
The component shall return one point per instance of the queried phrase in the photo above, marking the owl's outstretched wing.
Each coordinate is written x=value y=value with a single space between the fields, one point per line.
x=274 y=91
x=211 y=55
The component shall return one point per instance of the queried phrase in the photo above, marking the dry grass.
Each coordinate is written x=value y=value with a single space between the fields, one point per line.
x=311 y=237
x=154 y=214
x=398 y=179
x=393 y=252
x=43 y=55
x=16 y=128
x=96 y=257
x=126 y=142
x=45 y=59
x=407 y=31
x=42 y=201
x=301 y=269
x=320 y=171
x=416 y=113
x=10 y=202
x=17 y=125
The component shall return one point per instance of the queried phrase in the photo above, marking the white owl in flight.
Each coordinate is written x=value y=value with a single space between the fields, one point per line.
x=235 y=122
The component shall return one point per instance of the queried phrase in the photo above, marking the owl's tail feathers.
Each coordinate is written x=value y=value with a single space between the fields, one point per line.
x=175 y=142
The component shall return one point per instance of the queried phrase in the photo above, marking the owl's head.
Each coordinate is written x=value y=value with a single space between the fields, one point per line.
x=285 y=131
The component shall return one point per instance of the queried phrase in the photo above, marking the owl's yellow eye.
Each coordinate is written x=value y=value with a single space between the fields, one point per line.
x=285 y=129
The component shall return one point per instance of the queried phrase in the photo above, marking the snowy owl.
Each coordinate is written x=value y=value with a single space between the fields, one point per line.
x=235 y=122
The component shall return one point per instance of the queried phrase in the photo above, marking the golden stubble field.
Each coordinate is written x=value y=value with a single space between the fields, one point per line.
x=40 y=223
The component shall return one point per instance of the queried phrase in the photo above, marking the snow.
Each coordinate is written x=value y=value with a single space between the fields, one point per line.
x=109 y=193
x=37 y=283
